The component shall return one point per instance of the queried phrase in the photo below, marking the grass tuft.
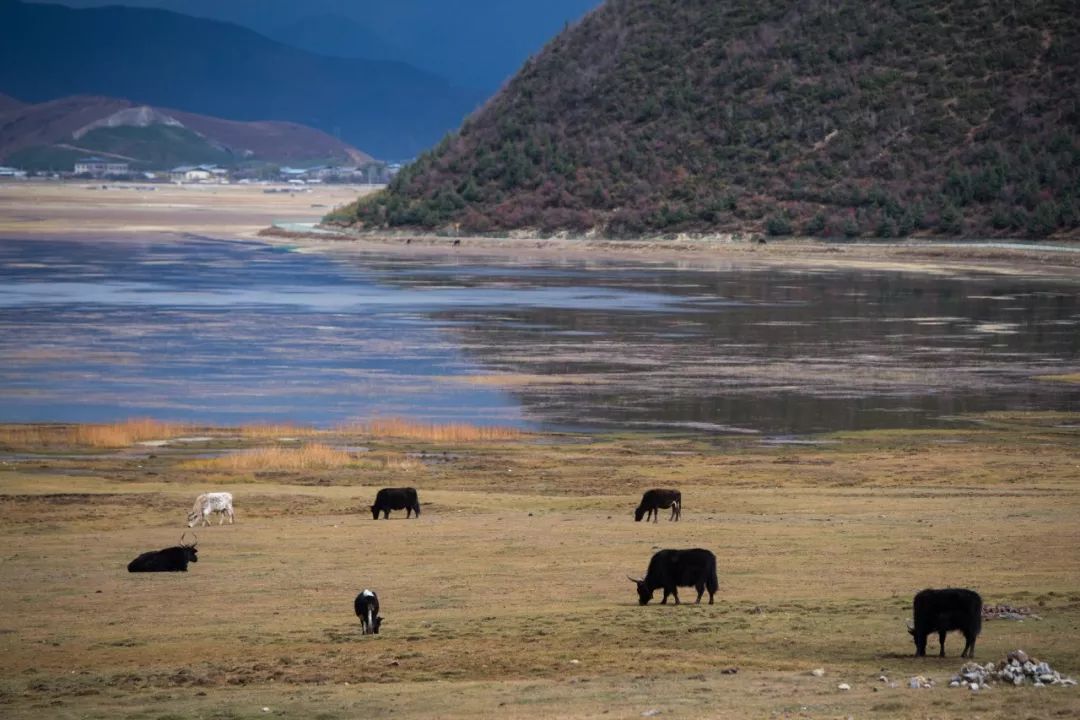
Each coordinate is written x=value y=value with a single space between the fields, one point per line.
x=274 y=431
x=315 y=456
x=437 y=432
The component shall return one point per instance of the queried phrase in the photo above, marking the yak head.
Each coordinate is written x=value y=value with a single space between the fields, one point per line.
x=639 y=512
x=374 y=512
x=644 y=592
x=189 y=548
x=192 y=518
x=376 y=624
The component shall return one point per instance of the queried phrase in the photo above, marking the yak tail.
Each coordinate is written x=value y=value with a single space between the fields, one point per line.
x=711 y=582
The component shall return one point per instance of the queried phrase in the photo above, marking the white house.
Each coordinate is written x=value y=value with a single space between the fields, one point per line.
x=101 y=167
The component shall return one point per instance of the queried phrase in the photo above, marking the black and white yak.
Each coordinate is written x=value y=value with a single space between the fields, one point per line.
x=653 y=500
x=672 y=569
x=940 y=611
x=172 y=559
x=366 y=606
x=389 y=499
x=209 y=503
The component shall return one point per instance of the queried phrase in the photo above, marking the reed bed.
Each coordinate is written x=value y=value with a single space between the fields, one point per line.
x=314 y=456
x=274 y=431
x=107 y=435
x=435 y=432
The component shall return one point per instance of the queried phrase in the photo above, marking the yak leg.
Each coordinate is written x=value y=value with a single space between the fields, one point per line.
x=700 y=587
x=221 y=518
x=969 y=647
x=941 y=639
x=656 y=515
x=675 y=592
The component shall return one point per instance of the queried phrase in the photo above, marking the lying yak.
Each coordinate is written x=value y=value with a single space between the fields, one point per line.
x=672 y=569
x=389 y=499
x=939 y=611
x=173 y=559
x=366 y=606
x=653 y=500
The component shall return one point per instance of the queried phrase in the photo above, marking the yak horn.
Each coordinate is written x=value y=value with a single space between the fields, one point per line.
x=634 y=580
x=182 y=536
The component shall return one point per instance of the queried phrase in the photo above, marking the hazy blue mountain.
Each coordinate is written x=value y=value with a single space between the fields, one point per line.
x=336 y=35
x=155 y=57
x=475 y=43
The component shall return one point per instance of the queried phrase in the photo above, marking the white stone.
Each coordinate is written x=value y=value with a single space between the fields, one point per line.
x=818 y=672
x=843 y=686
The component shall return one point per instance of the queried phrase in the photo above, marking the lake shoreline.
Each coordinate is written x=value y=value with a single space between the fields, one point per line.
x=932 y=256
x=129 y=212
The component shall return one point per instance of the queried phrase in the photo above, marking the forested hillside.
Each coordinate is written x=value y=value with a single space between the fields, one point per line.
x=836 y=118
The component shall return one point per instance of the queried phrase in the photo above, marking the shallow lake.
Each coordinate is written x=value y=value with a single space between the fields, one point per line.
x=229 y=332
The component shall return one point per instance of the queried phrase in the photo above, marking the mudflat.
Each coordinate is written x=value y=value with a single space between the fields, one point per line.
x=509 y=597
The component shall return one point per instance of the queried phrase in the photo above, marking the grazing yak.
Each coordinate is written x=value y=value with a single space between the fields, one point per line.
x=173 y=559
x=395 y=499
x=939 y=611
x=653 y=500
x=671 y=569
x=366 y=606
x=208 y=504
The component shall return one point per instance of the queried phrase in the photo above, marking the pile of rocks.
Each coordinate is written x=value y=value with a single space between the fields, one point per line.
x=1016 y=669
x=920 y=682
x=1008 y=612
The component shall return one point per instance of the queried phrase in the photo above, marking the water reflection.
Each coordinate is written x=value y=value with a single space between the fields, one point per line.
x=231 y=332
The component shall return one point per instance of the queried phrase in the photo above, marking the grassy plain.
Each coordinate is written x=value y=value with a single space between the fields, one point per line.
x=508 y=597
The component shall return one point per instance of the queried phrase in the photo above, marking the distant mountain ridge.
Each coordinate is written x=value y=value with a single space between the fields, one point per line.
x=164 y=59
x=848 y=118
x=51 y=135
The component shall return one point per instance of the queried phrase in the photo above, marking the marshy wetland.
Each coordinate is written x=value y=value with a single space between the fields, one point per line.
x=240 y=331
x=848 y=425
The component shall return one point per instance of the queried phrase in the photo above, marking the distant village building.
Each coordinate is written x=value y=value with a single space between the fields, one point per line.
x=101 y=167
x=198 y=173
x=10 y=172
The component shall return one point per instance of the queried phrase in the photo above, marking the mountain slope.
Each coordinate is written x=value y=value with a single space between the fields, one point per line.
x=51 y=135
x=854 y=117
x=161 y=58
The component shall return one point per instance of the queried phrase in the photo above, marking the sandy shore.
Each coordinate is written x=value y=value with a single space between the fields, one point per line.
x=32 y=209
x=1057 y=259
x=123 y=210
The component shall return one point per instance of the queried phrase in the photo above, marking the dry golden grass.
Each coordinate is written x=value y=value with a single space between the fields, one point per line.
x=402 y=428
x=111 y=435
x=315 y=456
x=274 y=431
x=516 y=569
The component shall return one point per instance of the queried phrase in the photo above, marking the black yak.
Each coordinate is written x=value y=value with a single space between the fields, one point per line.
x=939 y=611
x=671 y=569
x=653 y=500
x=173 y=559
x=389 y=499
x=366 y=606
